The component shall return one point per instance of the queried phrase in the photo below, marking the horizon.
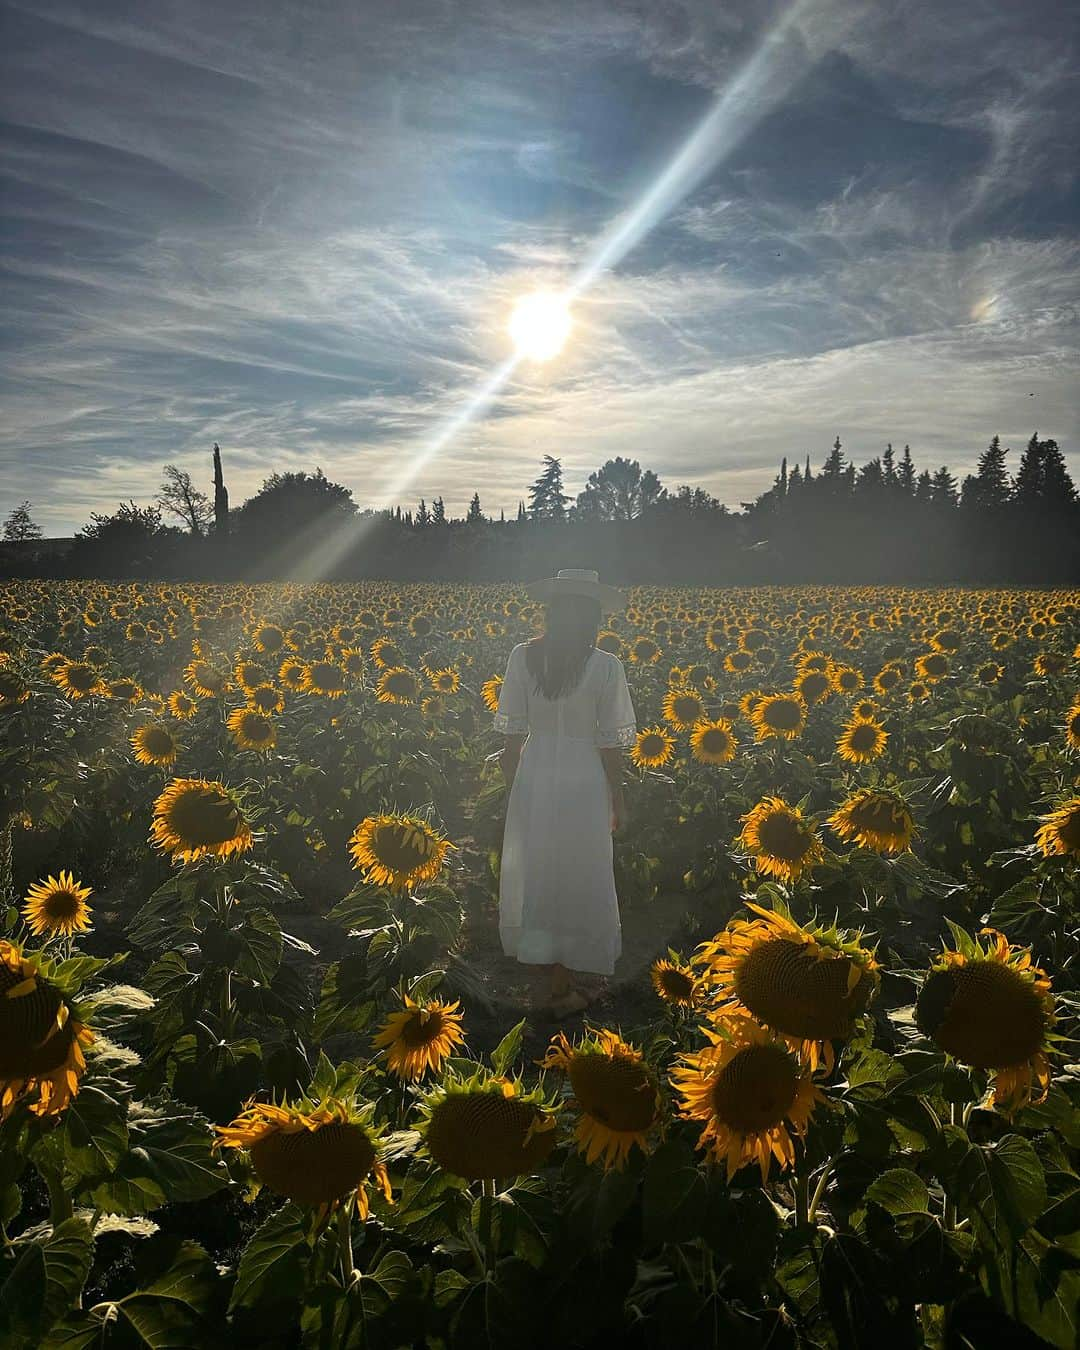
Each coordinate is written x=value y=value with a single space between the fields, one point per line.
x=302 y=237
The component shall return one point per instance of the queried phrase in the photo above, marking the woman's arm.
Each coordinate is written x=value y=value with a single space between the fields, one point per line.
x=508 y=760
x=613 y=766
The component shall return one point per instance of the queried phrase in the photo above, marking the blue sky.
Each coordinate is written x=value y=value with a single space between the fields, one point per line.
x=298 y=229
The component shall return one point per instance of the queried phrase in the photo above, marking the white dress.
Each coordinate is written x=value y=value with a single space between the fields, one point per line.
x=557 y=898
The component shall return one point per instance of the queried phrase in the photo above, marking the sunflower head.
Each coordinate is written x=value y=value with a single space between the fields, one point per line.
x=674 y=982
x=266 y=699
x=195 y=818
x=1072 y=726
x=325 y=678
x=79 y=679
x=446 y=681
x=806 y=982
x=155 y=744
x=251 y=729
x=398 y=684
x=420 y=1037
x=56 y=907
x=652 y=748
x=875 y=818
x=398 y=850
x=861 y=741
x=489 y=692
x=487 y=1127
x=986 y=1005
x=779 y=715
x=784 y=843
x=615 y=1091
x=1059 y=834
x=314 y=1153
x=713 y=742
x=41 y=1038
x=683 y=708
x=182 y=706
x=749 y=1091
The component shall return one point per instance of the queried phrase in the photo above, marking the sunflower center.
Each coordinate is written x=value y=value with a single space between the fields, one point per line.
x=651 y=744
x=756 y=1089
x=814 y=685
x=783 y=715
x=314 y=1167
x=715 y=741
x=1068 y=831
x=984 y=1013
x=80 y=676
x=157 y=741
x=61 y=903
x=676 y=984
x=687 y=709
x=400 y=848
x=864 y=737
x=202 y=817
x=615 y=1090
x=424 y=1027
x=782 y=835
x=878 y=815
x=788 y=988
x=476 y=1135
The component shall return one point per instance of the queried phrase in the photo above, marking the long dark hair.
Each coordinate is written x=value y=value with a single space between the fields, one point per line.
x=556 y=661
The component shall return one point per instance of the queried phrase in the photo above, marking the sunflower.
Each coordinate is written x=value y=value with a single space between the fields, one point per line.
x=888 y=678
x=205 y=679
x=41 y=1040
x=861 y=741
x=737 y=662
x=846 y=679
x=750 y=1092
x=323 y=677
x=182 y=706
x=644 y=651
x=155 y=744
x=932 y=666
x=446 y=681
x=683 y=708
x=420 y=1037
x=652 y=748
x=805 y=982
x=608 y=641
x=875 y=818
x=990 y=1008
x=674 y=982
x=713 y=742
x=269 y=638
x=489 y=692
x=78 y=679
x=918 y=692
x=784 y=844
x=194 y=818
x=13 y=690
x=615 y=1091
x=315 y=1154
x=386 y=653
x=291 y=673
x=989 y=672
x=398 y=850
x=353 y=662
x=251 y=730
x=1049 y=664
x=1072 y=726
x=782 y=715
x=57 y=907
x=1059 y=834
x=486 y=1127
x=123 y=691
x=812 y=686
x=398 y=684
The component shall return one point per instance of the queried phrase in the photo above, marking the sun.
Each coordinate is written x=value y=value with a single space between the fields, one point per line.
x=539 y=325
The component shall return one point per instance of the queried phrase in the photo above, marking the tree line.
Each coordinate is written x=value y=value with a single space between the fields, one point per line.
x=884 y=521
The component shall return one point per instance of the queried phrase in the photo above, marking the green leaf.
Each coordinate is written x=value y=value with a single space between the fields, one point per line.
x=441 y=914
x=117 y=1005
x=673 y=1195
x=508 y=1049
x=260 y=946
x=345 y=1003
x=273 y=1265
x=46 y=1280
x=177 y=1144
x=95 y=1134
x=900 y=1191
x=858 y=1293
x=69 y=976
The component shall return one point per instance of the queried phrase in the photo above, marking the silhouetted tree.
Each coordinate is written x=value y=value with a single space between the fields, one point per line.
x=547 y=500
x=423 y=515
x=988 y=488
x=20 y=525
x=619 y=490
x=905 y=474
x=221 y=496
x=181 y=498
x=438 y=512
x=475 y=515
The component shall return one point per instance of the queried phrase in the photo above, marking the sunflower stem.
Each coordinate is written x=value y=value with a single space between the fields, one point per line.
x=802 y=1199
x=487 y=1197
x=819 y=1191
x=345 y=1247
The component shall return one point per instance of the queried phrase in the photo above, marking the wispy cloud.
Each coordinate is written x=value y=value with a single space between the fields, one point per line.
x=299 y=233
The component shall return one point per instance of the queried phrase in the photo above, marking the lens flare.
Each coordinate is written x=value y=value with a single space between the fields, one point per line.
x=539 y=326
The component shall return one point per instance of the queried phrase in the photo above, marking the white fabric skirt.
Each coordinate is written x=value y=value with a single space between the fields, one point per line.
x=557 y=900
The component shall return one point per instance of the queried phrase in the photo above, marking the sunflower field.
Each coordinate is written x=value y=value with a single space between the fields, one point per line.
x=266 y=1079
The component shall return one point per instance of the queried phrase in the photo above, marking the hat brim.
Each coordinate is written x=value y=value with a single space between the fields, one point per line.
x=611 y=601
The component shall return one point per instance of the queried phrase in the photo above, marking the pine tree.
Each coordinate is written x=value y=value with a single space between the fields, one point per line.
x=521 y=516
x=991 y=489
x=833 y=468
x=1027 y=486
x=795 y=481
x=438 y=512
x=943 y=488
x=924 y=490
x=807 y=474
x=905 y=474
x=871 y=478
x=888 y=467
x=547 y=500
x=423 y=515
x=780 y=482
x=1059 y=491
x=475 y=515
x=20 y=525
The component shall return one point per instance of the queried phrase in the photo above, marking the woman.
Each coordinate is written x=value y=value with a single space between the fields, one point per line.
x=566 y=714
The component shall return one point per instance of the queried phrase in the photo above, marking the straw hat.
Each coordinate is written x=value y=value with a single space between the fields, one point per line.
x=578 y=581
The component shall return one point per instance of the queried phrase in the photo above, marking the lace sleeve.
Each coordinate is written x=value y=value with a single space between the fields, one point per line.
x=512 y=718
x=616 y=724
